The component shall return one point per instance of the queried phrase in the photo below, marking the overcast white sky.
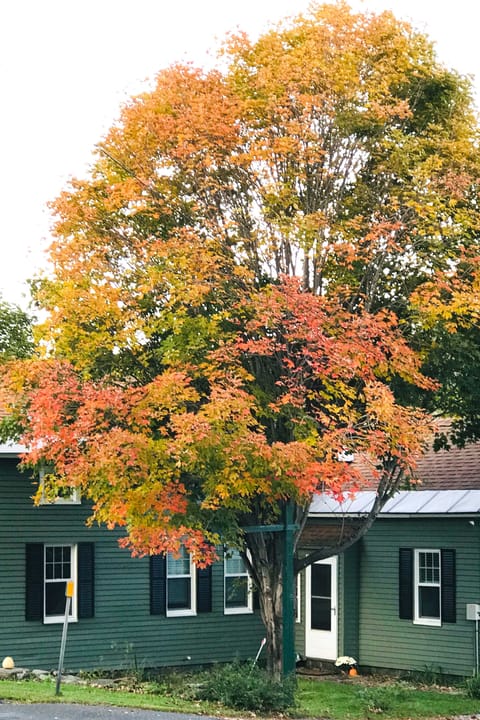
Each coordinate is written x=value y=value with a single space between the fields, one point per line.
x=66 y=66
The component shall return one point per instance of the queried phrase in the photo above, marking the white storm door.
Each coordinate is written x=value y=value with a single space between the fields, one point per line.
x=321 y=621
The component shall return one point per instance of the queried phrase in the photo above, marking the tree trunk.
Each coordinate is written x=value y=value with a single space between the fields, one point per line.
x=265 y=561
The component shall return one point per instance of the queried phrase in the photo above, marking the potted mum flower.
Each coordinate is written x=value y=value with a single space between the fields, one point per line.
x=346 y=664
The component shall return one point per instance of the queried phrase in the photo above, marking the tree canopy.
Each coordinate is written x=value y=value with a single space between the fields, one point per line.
x=16 y=336
x=262 y=263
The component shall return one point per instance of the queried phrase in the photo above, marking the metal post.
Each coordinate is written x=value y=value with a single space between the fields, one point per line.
x=288 y=594
x=476 y=646
x=68 y=603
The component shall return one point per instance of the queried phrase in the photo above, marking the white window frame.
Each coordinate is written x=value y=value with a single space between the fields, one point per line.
x=298 y=599
x=73 y=498
x=243 y=609
x=73 y=616
x=192 y=575
x=417 y=618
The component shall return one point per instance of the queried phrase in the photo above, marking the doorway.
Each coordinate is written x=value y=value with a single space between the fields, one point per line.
x=321 y=615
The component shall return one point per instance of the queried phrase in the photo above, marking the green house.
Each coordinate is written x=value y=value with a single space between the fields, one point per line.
x=126 y=612
x=407 y=595
x=404 y=597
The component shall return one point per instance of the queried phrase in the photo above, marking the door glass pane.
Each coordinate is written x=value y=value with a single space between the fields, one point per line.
x=321 y=597
x=322 y=580
x=321 y=614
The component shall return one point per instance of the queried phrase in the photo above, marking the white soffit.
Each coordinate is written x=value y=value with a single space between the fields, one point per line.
x=11 y=449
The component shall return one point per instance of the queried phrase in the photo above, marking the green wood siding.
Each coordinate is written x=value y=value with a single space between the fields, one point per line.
x=385 y=640
x=349 y=604
x=122 y=632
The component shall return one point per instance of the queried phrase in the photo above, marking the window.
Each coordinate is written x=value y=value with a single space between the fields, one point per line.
x=59 y=568
x=237 y=585
x=180 y=584
x=62 y=495
x=48 y=569
x=427 y=586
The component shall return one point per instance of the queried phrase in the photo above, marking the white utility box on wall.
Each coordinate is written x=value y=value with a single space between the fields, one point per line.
x=473 y=611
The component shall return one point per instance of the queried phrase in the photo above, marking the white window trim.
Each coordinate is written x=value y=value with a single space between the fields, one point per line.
x=298 y=606
x=73 y=498
x=73 y=617
x=417 y=618
x=244 y=609
x=192 y=610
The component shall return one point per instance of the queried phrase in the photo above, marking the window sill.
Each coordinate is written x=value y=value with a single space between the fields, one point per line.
x=430 y=622
x=74 y=500
x=57 y=619
x=180 y=613
x=238 y=611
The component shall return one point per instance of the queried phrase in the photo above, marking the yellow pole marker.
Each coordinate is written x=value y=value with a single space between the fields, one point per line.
x=69 y=590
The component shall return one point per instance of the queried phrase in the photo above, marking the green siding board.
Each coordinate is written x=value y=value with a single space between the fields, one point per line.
x=116 y=637
x=350 y=607
x=340 y=604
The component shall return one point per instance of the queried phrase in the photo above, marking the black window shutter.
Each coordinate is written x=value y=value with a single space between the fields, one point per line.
x=448 y=588
x=405 y=583
x=204 y=589
x=158 y=585
x=86 y=580
x=34 y=581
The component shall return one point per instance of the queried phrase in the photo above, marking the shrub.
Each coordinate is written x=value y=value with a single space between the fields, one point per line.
x=432 y=675
x=472 y=686
x=244 y=687
x=381 y=699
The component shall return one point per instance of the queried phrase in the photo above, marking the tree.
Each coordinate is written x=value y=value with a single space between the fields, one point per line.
x=16 y=337
x=230 y=302
x=200 y=453
x=16 y=342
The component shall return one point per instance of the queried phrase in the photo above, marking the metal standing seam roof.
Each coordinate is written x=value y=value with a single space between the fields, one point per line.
x=405 y=502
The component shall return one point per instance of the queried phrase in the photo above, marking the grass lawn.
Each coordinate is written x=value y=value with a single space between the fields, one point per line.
x=362 y=698
x=372 y=699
